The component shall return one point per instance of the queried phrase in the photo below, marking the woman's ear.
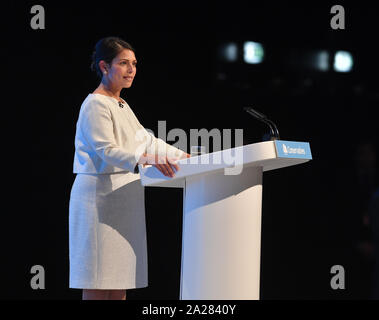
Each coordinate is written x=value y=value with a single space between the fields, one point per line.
x=103 y=67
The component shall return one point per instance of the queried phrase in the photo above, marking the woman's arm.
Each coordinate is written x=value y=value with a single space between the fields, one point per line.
x=164 y=164
x=96 y=128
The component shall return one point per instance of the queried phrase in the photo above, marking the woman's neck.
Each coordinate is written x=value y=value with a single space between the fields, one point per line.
x=108 y=90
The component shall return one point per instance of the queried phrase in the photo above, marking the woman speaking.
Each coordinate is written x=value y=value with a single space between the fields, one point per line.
x=107 y=230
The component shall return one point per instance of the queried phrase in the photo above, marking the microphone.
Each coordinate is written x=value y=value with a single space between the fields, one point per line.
x=274 y=133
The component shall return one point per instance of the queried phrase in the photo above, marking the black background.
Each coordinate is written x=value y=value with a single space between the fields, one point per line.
x=308 y=221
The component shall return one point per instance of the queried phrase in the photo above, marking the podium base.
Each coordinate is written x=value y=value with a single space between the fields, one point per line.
x=222 y=236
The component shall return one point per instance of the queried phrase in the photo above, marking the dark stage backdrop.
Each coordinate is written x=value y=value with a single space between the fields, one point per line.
x=311 y=213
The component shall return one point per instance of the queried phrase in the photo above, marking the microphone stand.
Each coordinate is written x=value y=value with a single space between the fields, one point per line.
x=274 y=133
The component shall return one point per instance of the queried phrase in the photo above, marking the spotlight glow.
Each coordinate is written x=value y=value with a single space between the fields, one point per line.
x=343 y=61
x=253 y=52
x=229 y=52
x=322 y=60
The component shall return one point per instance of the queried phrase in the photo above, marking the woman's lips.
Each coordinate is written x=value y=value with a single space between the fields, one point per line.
x=128 y=78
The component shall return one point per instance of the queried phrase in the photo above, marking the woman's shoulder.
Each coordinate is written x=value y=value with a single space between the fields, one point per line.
x=95 y=103
x=94 y=99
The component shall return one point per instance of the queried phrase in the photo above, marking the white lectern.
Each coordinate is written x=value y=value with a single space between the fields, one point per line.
x=221 y=242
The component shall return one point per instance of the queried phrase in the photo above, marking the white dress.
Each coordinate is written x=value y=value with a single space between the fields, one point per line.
x=107 y=230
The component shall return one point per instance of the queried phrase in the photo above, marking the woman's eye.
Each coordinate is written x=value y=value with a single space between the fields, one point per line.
x=124 y=62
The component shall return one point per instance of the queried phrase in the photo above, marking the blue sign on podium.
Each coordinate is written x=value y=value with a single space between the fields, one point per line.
x=293 y=149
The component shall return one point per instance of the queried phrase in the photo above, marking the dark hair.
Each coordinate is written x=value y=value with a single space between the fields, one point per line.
x=107 y=49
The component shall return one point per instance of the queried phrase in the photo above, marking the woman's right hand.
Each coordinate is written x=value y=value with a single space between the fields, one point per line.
x=166 y=165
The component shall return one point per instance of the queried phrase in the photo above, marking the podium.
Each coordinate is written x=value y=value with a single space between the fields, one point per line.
x=222 y=209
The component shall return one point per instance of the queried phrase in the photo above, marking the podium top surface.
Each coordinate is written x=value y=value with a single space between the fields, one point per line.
x=269 y=155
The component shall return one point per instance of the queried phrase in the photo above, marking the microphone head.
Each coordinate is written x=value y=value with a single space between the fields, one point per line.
x=255 y=113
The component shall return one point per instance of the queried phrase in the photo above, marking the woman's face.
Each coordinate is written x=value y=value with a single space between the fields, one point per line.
x=123 y=69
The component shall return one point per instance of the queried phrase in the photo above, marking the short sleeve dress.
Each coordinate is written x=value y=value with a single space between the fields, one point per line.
x=107 y=229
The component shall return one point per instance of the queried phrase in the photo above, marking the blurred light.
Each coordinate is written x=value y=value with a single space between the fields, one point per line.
x=229 y=52
x=253 y=52
x=322 y=61
x=343 y=61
